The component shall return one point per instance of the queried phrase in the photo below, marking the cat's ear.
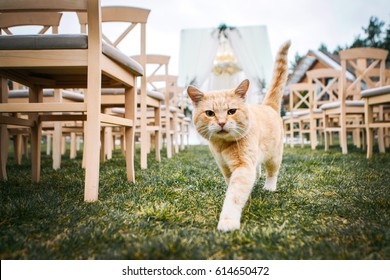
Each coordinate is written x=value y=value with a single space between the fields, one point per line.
x=195 y=94
x=242 y=89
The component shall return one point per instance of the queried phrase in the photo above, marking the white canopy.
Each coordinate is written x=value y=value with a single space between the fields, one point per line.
x=250 y=46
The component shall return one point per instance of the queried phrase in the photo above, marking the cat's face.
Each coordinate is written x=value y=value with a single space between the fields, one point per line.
x=221 y=114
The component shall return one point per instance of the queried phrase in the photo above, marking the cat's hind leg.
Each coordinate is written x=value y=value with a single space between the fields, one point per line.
x=271 y=170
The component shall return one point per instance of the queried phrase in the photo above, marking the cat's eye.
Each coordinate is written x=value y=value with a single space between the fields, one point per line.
x=209 y=113
x=231 y=111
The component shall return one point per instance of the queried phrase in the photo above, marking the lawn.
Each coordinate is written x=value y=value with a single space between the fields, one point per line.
x=327 y=206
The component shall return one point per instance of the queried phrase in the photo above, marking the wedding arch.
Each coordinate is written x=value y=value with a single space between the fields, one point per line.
x=211 y=58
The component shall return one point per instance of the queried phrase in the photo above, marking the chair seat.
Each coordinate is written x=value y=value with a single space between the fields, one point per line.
x=375 y=91
x=65 y=41
x=71 y=95
x=301 y=113
x=334 y=105
x=119 y=91
x=171 y=108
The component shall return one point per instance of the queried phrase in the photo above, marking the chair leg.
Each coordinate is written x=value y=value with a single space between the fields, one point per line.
x=182 y=132
x=386 y=137
x=36 y=95
x=102 y=145
x=381 y=142
x=175 y=133
x=313 y=134
x=369 y=132
x=4 y=142
x=4 y=137
x=18 y=148
x=343 y=134
x=292 y=134
x=36 y=134
x=25 y=147
x=48 y=144
x=63 y=145
x=92 y=138
x=157 y=135
x=73 y=145
x=130 y=113
x=168 y=136
x=57 y=140
x=130 y=145
x=325 y=120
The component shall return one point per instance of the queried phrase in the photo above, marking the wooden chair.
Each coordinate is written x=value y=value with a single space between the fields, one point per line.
x=55 y=130
x=68 y=61
x=115 y=97
x=300 y=104
x=157 y=72
x=171 y=113
x=376 y=98
x=326 y=81
x=46 y=21
x=184 y=121
x=349 y=109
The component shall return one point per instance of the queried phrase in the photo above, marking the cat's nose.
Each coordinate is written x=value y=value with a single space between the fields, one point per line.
x=221 y=124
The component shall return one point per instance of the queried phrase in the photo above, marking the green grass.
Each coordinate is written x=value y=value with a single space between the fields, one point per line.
x=327 y=206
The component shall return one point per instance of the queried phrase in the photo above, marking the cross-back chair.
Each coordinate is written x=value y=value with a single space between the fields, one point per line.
x=349 y=109
x=185 y=122
x=115 y=98
x=327 y=83
x=300 y=103
x=172 y=115
x=157 y=77
x=68 y=61
x=46 y=21
x=377 y=111
x=8 y=21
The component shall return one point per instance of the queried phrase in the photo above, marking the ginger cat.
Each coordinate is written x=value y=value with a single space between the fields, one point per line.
x=242 y=137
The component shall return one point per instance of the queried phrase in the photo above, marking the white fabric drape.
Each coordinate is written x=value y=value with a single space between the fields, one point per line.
x=251 y=47
x=224 y=81
x=198 y=48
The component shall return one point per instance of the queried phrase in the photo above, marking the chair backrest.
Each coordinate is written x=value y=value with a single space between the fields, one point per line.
x=123 y=14
x=375 y=73
x=91 y=7
x=166 y=83
x=327 y=83
x=301 y=97
x=157 y=76
x=362 y=61
x=45 y=20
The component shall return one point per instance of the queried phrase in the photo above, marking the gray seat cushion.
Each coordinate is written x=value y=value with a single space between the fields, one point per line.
x=67 y=94
x=44 y=42
x=151 y=93
x=350 y=103
x=65 y=41
x=171 y=108
x=375 y=91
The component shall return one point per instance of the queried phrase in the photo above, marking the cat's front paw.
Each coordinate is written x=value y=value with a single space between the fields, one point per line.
x=228 y=224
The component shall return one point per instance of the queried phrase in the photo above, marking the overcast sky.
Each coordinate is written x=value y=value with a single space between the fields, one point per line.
x=308 y=23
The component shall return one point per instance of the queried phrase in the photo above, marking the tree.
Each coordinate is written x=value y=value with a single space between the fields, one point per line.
x=373 y=37
x=297 y=59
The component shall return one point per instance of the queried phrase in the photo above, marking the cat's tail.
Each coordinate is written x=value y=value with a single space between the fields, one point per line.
x=274 y=95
